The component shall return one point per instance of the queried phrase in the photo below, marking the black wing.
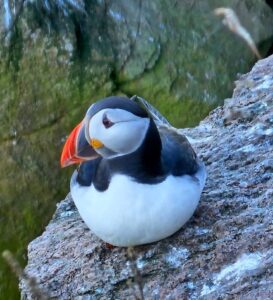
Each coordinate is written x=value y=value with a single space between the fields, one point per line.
x=178 y=155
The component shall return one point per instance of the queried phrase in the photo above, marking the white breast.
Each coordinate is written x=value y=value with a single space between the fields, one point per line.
x=130 y=213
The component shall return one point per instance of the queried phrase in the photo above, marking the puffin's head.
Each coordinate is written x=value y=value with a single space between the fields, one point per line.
x=112 y=127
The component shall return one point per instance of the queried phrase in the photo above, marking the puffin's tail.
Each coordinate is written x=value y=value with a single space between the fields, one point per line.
x=201 y=174
x=152 y=111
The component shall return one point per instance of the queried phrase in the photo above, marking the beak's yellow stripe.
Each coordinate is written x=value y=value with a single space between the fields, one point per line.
x=96 y=143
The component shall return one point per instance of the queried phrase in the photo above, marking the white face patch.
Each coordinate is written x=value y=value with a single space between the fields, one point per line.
x=124 y=136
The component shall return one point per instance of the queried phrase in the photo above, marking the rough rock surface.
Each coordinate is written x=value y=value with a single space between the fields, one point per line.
x=224 y=252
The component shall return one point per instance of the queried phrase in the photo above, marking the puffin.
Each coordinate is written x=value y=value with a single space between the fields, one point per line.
x=139 y=179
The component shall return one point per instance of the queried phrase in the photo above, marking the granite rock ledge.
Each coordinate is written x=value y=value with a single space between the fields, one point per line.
x=224 y=252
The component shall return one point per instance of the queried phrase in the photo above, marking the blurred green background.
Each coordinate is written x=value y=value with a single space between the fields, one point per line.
x=57 y=57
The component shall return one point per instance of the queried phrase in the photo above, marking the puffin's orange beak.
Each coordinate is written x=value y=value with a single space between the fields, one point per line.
x=69 y=156
x=76 y=148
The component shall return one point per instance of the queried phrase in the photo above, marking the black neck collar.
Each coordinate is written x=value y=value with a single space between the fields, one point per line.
x=144 y=165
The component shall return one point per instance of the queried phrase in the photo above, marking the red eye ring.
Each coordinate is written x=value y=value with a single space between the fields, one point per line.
x=106 y=122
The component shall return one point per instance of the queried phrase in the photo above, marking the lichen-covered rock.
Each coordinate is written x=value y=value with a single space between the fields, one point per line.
x=224 y=252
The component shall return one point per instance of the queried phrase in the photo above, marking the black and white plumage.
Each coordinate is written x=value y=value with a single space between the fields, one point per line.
x=139 y=180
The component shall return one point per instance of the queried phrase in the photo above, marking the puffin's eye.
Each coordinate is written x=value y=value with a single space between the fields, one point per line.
x=106 y=122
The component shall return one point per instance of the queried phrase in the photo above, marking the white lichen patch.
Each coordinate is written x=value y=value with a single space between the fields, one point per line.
x=265 y=84
x=176 y=256
x=191 y=285
x=205 y=246
x=234 y=272
x=268 y=131
x=198 y=140
x=246 y=262
x=248 y=148
x=253 y=228
x=66 y=214
x=126 y=270
x=201 y=231
x=207 y=289
x=141 y=263
x=257 y=129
